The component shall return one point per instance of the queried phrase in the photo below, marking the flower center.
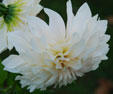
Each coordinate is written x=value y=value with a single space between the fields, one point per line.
x=11 y=14
x=62 y=55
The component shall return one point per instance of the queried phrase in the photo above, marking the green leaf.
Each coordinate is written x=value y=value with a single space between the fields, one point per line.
x=3 y=74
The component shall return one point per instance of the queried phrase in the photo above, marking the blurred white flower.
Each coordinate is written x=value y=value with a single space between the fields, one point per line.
x=14 y=16
x=57 y=55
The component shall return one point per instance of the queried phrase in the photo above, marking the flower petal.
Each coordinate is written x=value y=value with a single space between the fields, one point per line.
x=38 y=45
x=18 y=41
x=84 y=12
x=70 y=14
x=56 y=24
x=12 y=63
x=77 y=48
x=36 y=26
x=3 y=39
x=34 y=10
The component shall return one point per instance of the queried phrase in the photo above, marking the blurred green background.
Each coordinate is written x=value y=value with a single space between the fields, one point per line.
x=88 y=84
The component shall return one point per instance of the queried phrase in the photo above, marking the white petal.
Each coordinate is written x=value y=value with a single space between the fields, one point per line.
x=70 y=14
x=39 y=45
x=3 y=39
x=6 y=2
x=104 y=39
x=56 y=24
x=34 y=10
x=32 y=2
x=101 y=50
x=76 y=65
x=38 y=27
x=12 y=63
x=69 y=10
x=101 y=26
x=77 y=48
x=91 y=46
x=19 y=42
x=91 y=26
x=79 y=22
x=10 y=45
x=84 y=12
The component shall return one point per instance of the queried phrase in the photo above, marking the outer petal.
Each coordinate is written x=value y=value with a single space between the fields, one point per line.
x=70 y=14
x=77 y=48
x=56 y=24
x=40 y=29
x=31 y=2
x=35 y=10
x=101 y=26
x=12 y=63
x=10 y=45
x=84 y=12
x=6 y=2
x=32 y=7
x=39 y=45
x=3 y=39
x=91 y=26
x=28 y=2
x=37 y=26
x=17 y=39
x=80 y=20
x=101 y=50
x=69 y=10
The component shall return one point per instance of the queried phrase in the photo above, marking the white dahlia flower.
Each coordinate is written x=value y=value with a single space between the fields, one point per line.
x=14 y=16
x=57 y=55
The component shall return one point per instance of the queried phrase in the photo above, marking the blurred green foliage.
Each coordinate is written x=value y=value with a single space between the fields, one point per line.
x=84 y=85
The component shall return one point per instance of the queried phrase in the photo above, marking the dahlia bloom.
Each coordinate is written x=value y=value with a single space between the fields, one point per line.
x=14 y=16
x=57 y=55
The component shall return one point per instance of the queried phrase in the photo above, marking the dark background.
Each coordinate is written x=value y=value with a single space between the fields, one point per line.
x=94 y=82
